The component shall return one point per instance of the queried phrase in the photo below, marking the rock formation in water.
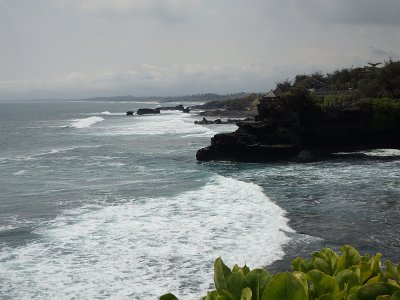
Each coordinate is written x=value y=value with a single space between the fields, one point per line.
x=288 y=126
x=146 y=111
x=178 y=107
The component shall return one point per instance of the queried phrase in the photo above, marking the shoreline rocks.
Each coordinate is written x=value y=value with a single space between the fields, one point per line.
x=228 y=113
x=219 y=121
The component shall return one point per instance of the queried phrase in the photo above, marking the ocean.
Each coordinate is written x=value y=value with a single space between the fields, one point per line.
x=96 y=204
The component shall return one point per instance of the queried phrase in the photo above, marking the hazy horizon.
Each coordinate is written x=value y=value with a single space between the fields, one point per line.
x=114 y=97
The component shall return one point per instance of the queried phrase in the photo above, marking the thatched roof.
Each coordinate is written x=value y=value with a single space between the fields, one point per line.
x=270 y=94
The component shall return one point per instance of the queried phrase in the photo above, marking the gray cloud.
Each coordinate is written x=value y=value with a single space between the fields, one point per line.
x=368 y=12
x=362 y=12
x=174 y=11
x=384 y=54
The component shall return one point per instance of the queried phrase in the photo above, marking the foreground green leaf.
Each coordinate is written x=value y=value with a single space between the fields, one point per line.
x=235 y=282
x=350 y=257
x=257 y=281
x=395 y=296
x=284 y=286
x=168 y=297
x=372 y=290
x=322 y=283
x=221 y=271
x=246 y=294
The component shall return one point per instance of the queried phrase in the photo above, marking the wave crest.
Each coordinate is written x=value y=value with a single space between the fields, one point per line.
x=130 y=245
x=87 y=122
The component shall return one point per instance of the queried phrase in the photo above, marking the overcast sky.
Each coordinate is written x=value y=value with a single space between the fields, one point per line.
x=84 y=48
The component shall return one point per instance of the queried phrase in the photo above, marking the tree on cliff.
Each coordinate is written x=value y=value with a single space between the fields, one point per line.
x=371 y=81
x=390 y=79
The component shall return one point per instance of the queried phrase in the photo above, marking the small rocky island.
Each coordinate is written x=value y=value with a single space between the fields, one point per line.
x=157 y=110
x=294 y=122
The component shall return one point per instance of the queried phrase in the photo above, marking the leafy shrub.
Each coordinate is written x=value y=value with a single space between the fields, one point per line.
x=341 y=100
x=385 y=114
x=325 y=276
x=301 y=103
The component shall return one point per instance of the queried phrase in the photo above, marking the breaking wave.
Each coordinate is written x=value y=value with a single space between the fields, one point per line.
x=87 y=122
x=147 y=247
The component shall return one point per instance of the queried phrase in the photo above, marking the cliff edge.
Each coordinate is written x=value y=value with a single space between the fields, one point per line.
x=294 y=123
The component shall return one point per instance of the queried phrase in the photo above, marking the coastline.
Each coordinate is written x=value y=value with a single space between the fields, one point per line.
x=327 y=205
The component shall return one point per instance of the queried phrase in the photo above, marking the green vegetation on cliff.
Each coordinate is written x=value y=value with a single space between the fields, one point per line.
x=385 y=114
x=371 y=81
x=373 y=91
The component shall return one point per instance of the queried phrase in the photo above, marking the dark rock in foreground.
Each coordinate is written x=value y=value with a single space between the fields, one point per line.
x=245 y=145
x=247 y=153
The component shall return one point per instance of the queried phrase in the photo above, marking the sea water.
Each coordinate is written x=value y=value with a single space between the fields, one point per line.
x=96 y=204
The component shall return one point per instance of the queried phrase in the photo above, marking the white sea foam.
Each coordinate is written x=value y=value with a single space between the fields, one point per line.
x=102 y=164
x=375 y=152
x=383 y=152
x=147 y=247
x=48 y=152
x=169 y=122
x=87 y=122
x=6 y=228
x=20 y=172
x=107 y=113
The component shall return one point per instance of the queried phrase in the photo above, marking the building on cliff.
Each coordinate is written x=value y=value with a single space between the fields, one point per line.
x=270 y=96
x=269 y=107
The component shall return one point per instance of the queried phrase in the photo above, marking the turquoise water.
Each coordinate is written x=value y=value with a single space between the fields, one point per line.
x=95 y=204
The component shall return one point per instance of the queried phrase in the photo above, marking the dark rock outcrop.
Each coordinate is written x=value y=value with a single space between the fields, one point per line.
x=178 y=107
x=248 y=144
x=288 y=127
x=146 y=111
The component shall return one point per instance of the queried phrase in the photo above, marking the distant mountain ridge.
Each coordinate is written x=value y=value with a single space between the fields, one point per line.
x=187 y=98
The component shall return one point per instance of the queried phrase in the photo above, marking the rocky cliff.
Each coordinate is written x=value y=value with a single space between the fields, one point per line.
x=286 y=127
